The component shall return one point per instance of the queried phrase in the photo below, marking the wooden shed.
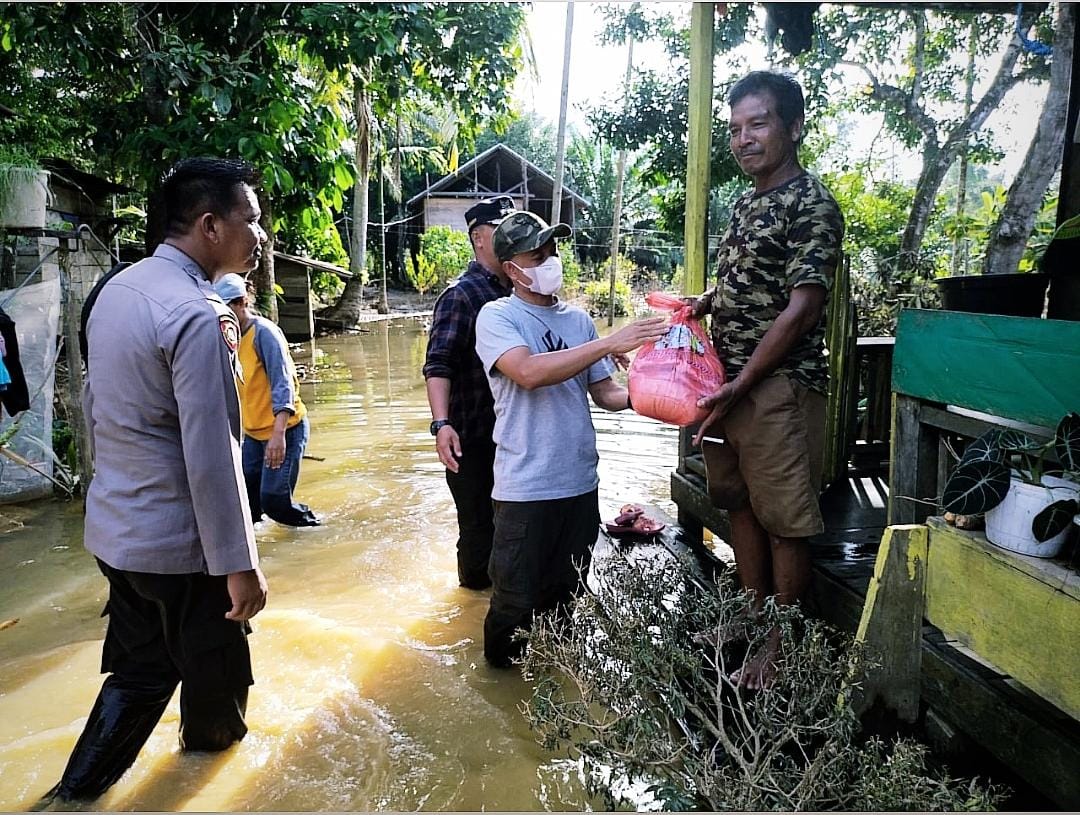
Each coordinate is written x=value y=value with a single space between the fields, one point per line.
x=497 y=171
x=294 y=276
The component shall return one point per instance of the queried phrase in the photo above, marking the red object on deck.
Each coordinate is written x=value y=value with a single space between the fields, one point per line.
x=668 y=376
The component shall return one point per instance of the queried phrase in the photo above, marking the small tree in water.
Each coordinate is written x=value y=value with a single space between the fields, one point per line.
x=636 y=682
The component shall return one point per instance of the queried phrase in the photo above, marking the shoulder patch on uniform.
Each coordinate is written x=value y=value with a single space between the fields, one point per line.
x=230 y=331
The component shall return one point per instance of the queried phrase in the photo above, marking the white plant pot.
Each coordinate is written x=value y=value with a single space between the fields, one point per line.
x=1008 y=525
x=23 y=205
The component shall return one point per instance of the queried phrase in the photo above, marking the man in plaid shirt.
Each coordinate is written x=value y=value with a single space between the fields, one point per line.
x=462 y=410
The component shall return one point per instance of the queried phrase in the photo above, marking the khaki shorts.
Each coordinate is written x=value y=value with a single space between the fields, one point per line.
x=771 y=457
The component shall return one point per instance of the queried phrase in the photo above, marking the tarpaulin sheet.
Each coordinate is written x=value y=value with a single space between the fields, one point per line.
x=36 y=312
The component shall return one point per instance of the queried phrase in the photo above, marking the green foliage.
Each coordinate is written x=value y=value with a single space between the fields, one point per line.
x=17 y=167
x=635 y=681
x=909 y=63
x=976 y=225
x=597 y=292
x=875 y=214
x=572 y=274
x=528 y=135
x=126 y=89
x=422 y=274
x=448 y=251
x=326 y=286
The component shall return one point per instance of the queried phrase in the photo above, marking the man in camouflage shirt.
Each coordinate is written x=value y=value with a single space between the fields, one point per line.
x=763 y=442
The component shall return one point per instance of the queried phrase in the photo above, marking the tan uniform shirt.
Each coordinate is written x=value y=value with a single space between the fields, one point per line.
x=168 y=493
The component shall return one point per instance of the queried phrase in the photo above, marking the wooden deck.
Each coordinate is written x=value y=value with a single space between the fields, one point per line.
x=977 y=646
x=978 y=717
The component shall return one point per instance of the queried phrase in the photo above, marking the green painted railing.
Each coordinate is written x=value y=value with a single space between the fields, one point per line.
x=1018 y=368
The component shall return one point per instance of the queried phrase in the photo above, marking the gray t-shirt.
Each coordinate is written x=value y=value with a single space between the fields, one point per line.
x=546 y=444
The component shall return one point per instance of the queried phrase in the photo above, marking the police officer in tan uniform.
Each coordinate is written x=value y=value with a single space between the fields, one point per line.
x=166 y=514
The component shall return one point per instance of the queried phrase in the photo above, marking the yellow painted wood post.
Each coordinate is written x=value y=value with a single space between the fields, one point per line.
x=891 y=624
x=699 y=147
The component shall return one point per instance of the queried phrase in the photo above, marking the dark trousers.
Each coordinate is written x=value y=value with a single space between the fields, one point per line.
x=471 y=487
x=271 y=491
x=539 y=549
x=164 y=630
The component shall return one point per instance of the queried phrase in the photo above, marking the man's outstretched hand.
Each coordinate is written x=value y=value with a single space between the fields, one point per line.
x=637 y=333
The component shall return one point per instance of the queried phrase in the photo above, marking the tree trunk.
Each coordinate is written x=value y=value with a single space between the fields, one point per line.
x=383 y=306
x=400 y=229
x=263 y=277
x=1010 y=234
x=141 y=20
x=346 y=312
x=938 y=158
x=960 y=242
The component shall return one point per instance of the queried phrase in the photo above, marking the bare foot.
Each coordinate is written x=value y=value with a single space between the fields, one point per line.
x=760 y=672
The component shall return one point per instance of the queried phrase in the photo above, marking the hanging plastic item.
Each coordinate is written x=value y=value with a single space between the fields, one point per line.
x=668 y=376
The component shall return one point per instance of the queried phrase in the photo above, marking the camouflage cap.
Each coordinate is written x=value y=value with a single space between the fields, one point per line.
x=524 y=231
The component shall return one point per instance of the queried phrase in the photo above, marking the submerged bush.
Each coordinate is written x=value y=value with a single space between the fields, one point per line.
x=635 y=681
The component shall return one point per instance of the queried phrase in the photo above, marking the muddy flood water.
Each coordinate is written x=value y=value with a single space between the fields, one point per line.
x=371 y=688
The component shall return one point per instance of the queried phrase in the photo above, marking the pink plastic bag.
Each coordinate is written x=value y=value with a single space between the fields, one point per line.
x=668 y=376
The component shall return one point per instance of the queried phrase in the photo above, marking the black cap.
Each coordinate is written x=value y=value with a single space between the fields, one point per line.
x=489 y=211
x=524 y=231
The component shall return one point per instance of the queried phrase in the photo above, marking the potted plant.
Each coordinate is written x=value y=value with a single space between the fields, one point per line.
x=1020 y=294
x=24 y=189
x=1003 y=474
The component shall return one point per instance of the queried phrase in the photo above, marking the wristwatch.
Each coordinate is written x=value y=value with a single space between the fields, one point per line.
x=437 y=425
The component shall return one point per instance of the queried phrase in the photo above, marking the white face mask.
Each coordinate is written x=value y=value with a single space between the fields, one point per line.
x=547 y=277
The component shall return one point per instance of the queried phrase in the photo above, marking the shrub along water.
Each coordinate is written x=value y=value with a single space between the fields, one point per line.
x=635 y=681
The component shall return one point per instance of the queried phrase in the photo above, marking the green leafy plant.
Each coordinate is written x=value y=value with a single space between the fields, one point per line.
x=422 y=274
x=635 y=680
x=448 y=251
x=985 y=471
x=17 y=166
x=597 y=293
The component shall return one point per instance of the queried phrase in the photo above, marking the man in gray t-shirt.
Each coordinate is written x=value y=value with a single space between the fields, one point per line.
x=543 y=359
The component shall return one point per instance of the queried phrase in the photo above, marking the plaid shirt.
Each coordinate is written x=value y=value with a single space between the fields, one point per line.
x=451 y=351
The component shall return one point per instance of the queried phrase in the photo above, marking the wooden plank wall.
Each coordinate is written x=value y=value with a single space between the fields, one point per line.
x=1020 y=613
x=294 y=309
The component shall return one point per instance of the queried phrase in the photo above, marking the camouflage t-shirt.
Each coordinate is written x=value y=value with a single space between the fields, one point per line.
x=778 y=240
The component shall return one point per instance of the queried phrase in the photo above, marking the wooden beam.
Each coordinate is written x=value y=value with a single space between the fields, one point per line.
x=891 y=624
x=76 y=416
x=699 y=147
x=1041 y=747
x=1069 y=194
x=913 y=463
x=1021 y=614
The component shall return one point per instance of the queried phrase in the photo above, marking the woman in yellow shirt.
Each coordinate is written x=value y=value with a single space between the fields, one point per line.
x=274 y=417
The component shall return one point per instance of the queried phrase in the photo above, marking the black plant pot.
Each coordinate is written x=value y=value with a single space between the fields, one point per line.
x=1060 y=262
x=1017 y=295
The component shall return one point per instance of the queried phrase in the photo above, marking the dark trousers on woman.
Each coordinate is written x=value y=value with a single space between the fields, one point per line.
x=471 y=487
x=164 y=630
x=541 y=551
